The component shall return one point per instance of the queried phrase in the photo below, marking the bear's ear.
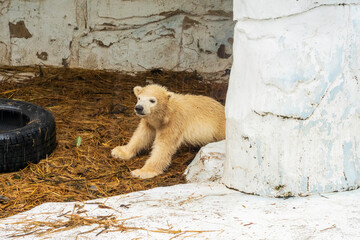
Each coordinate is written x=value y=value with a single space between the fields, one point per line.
x=137 y=90
x=170 y=94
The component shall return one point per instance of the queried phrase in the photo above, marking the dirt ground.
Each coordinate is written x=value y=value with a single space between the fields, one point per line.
x=98 y=107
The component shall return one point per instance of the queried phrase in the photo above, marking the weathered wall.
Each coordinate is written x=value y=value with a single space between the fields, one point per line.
x=121 y=35
x=293 y=112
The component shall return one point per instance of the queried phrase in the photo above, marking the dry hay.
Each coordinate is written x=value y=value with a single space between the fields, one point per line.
x=98 y=107
x=98 y=225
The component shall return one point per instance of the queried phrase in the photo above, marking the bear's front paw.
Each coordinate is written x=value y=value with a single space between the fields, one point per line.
x=144 y=173
x=121 y=152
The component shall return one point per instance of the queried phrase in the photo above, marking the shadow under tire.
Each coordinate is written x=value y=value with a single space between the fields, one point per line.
x=27 y=134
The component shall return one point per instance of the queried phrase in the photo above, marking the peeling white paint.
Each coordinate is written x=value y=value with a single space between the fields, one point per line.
x=120 y=35
x=51 y=31
x=293 y=102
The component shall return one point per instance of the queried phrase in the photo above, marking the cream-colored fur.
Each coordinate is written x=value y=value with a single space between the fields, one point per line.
x=169 y=120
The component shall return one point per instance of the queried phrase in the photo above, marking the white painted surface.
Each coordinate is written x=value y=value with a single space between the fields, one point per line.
x=211 y=209
x=4 y=35
x=120 y=35
x=292 y=108
x=263 y=9
x=208 y=164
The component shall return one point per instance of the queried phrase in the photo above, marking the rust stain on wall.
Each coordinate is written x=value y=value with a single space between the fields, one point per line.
x=42 y=55
x=188 y=23
x=220 y=13
x=19 y=30
x=221 y=52
x=101 y=43
x=171 y=13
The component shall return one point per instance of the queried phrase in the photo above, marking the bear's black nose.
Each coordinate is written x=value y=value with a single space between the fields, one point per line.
x=139 y=108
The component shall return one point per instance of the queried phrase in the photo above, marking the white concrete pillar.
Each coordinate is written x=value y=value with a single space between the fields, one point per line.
x=293 y=104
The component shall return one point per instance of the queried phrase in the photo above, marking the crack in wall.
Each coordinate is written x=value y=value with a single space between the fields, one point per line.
x=125 y=26
x=315 y=105
x=167 y=15
x=181 y=50
x=6 y=55
x=299 y=13
x=80 y=31
x=264 y=114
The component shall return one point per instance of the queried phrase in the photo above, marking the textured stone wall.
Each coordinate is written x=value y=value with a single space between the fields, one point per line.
x=121 y=35
x=293 y=103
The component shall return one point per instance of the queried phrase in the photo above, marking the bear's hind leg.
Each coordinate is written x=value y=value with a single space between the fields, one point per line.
x=142 y=138
x=165 y=145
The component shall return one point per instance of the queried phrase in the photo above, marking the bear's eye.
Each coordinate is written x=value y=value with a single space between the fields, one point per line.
x=152 y=100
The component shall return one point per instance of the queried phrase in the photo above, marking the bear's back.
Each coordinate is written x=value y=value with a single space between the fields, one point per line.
x=202 y=118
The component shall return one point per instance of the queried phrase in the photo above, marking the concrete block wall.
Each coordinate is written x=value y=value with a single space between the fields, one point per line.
x=121 y=35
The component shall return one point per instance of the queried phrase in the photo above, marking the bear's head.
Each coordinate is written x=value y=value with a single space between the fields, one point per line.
x=152 y=100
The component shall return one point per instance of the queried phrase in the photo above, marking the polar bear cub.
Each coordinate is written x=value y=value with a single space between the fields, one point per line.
x=169 y=120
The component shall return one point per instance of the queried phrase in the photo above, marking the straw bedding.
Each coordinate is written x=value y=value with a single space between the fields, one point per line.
x=98 y=107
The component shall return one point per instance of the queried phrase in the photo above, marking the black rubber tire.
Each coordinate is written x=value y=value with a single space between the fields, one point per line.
x=29 y=143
